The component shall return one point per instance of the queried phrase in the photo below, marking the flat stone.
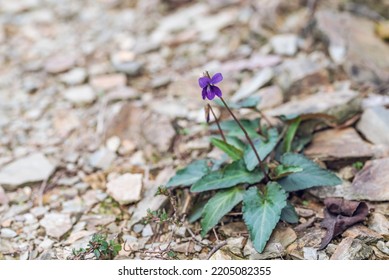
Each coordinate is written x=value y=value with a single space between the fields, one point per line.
x=80 y=95
x=108 y=82
x=379 y=223
x=374 y=125
x=59 y=64
x=7 y=233
x=259 y=80
x=372 y=182
x=284 y=44
x=316 y=103
x=353 y=42
x=126 y=188
x=362 y=233
x=102 y=158
x=32 y=168
x=338 y=144
x=352 y=249
x=56 y=224
x=74 y=77
x=147 y=231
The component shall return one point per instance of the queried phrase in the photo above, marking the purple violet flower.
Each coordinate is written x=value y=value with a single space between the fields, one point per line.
x=208 y=86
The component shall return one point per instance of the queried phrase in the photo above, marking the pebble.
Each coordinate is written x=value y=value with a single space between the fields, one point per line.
x=80 y=95
x=374 y=125
x=126 y=188
x=108 y=82
x=56 y=224
x=124 y=62
x=74 y=77
x=147 y=231
x=7 y=233
x=59 y=64
x=284 y=44
x=102 y=158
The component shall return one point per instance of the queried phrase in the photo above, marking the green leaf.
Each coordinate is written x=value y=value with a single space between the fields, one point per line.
x=231 y=128
x=96 y=253
x=263 y=149
x=231 y=151
x=196 y=212
x=311 y=176
x=190 y=174
x=261 y=212
x=218 y=206
x=232 y=174
x=290 y=133
x=283 y=171
x=289 y=214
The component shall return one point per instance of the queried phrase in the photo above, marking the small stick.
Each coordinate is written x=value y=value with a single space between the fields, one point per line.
x=216 y=248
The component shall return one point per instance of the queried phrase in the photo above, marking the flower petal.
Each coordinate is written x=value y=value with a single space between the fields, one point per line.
x=204 y=81
x=210 y=93
x=217 y=78
x=216 y=91
x=204 y=93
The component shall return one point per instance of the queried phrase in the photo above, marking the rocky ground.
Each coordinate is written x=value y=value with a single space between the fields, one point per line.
x=100 y=95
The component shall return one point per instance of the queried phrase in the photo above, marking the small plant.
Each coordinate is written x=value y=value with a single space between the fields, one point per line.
x=98 y=248
x=260 y=172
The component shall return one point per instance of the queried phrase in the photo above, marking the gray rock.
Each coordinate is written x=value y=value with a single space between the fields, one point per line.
x=284 y=44
x=7 y=233
x=126 y=188
x=124 y=62
x=74 y=77
x=384 y=248
x=374 y=125
x=147 y=231
x=259 y=80
x=32 y=168
x=80 y=95
x=56 y=224
x=102 y=158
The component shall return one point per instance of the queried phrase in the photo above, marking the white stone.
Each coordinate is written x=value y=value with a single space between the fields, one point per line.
x=126 y=188
x=284 y=44
x=33 y=168
x=102 y=158
x=74 y=77
x=56 y=224
x=80 y=95
x=113 y=143
x=7 y=233
x=147 y=231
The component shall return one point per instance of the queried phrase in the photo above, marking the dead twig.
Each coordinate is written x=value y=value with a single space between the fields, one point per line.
x=216 y=248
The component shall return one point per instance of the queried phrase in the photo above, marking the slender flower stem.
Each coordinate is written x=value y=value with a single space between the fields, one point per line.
x=248 y=139
x=217 y=123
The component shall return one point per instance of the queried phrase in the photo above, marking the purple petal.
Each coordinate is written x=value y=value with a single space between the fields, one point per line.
x=210 y=93
x=216 y=91
x=204 y=93
x=204 y=81
x=217 y=78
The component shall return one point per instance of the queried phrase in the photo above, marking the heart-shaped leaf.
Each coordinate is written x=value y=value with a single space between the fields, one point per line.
x=190 y=174
x=231 y=175
x=261 y=212
x=218 y=206
x=230 y=150
x=312 y=175
x=263 y=148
